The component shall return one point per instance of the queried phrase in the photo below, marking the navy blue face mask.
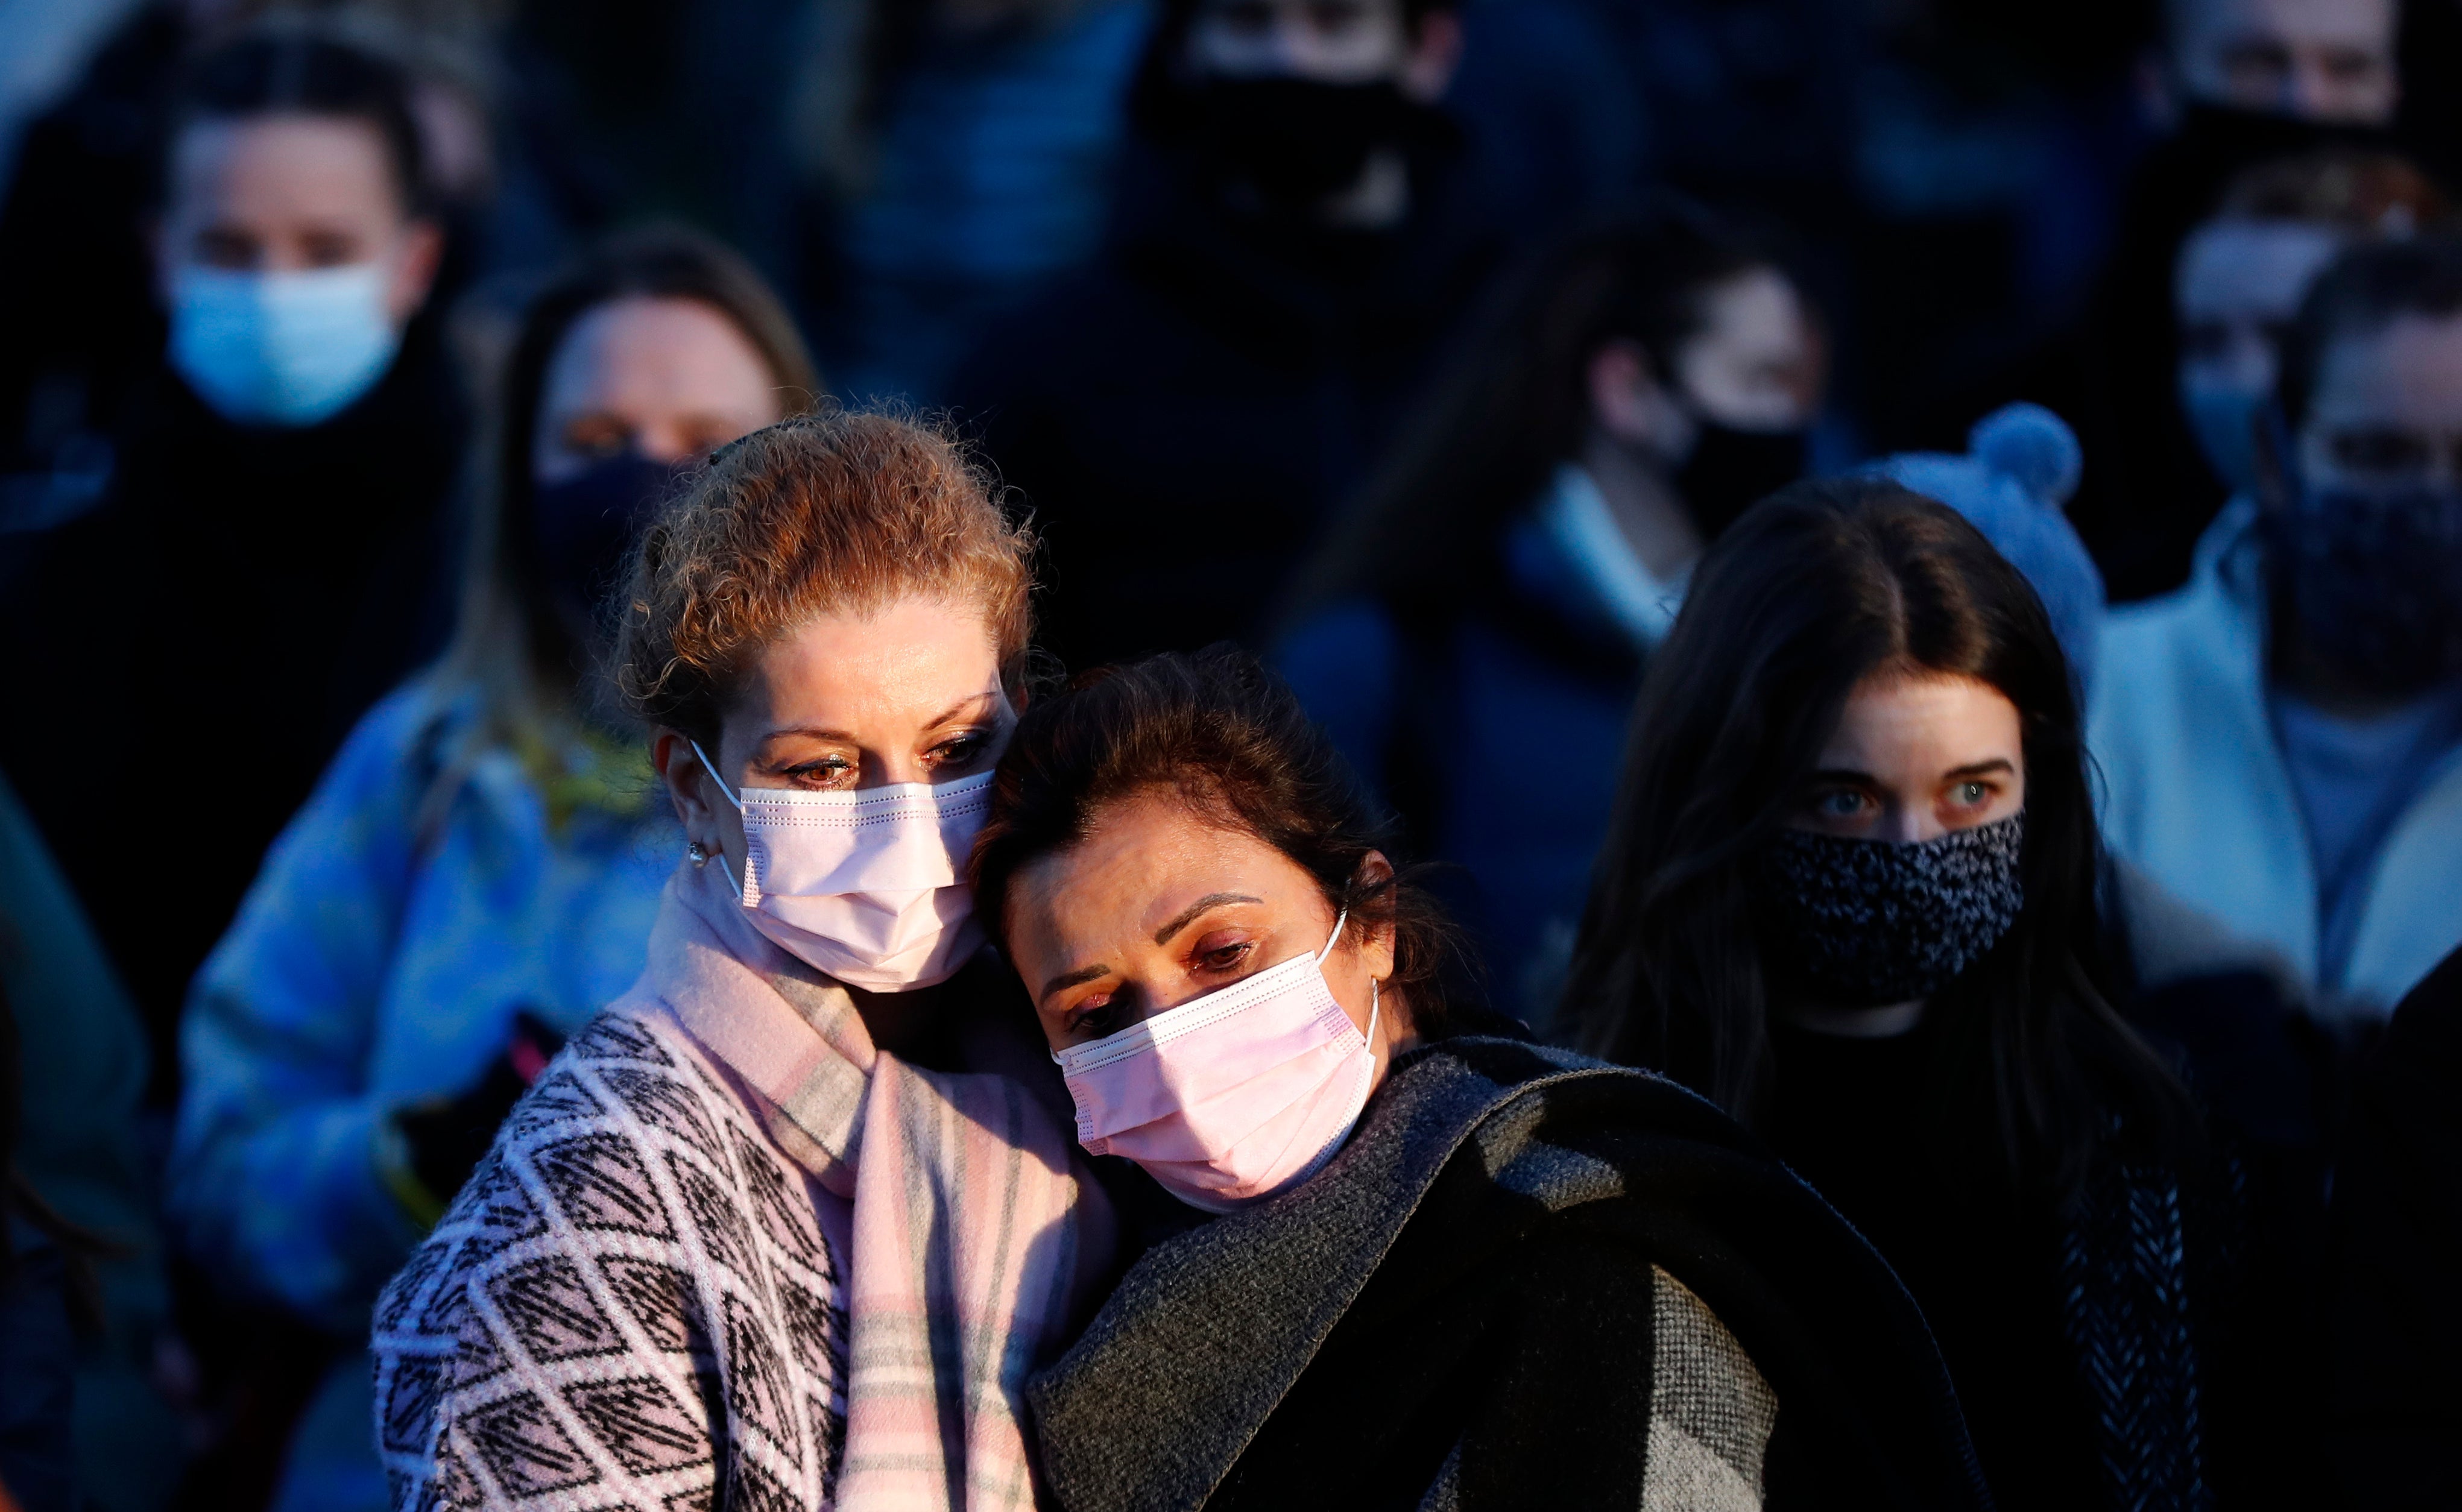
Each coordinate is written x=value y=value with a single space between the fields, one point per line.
x=1865 y=923
x=2375 y=578
x=583 y=527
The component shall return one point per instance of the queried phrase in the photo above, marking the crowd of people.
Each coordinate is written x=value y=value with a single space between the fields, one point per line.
x=1134 y=754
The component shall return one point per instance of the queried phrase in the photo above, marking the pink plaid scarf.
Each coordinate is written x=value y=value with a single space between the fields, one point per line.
x=976 y=1231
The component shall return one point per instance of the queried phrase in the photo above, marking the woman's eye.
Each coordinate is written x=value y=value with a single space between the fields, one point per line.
x=1224 y=958
x=959 y=751
x=830 y=772
x=1096 y=1018
x=1972 y=792
x=1840 y=803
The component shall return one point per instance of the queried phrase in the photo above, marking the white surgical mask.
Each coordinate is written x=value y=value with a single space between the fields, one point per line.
x=286 y=349
x=863 y=886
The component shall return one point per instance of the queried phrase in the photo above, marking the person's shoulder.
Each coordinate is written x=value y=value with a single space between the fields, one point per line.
x=1475 y=1077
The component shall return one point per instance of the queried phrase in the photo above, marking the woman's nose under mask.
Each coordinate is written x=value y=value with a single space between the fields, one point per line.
x=1234 y=1096
x=863 y=886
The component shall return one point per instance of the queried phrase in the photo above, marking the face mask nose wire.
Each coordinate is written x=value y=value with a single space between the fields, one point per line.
x=1329 y=943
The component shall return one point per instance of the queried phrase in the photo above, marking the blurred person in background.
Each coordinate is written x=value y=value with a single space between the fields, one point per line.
x=2237 y=83
x=2281 y=739
x=1849 y=895
x=962 y=153
x=1514 y=569
x=267 y=558
x=2242 y=272
x=87 y=1248
x=478 y=871
x=1295 y=238
x=78 y=281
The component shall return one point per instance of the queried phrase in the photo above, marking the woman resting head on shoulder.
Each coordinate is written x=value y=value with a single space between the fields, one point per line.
x=1851 y=896
x=1422 y=1265
x=779 y=1173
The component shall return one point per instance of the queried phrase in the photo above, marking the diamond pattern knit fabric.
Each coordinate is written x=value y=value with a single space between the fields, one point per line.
x=631 y=1298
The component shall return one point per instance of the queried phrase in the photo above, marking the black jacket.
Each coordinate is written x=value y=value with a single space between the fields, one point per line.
x=1184 y=416
x=186 y=659
x=1529 y=1280
x=2396 y=1385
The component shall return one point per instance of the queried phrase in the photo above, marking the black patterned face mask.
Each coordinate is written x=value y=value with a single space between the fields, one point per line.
x=1864 y=924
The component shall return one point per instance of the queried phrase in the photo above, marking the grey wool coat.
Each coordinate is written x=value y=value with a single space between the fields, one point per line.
x=1529 y=1280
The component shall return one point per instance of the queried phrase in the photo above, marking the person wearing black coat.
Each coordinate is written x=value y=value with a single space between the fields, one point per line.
x=1292 y=244
x=1415 y=1262
x=2396 y=1385
x=264 y=563
x=1849 y=894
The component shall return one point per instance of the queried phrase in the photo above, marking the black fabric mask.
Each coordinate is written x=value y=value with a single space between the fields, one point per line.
x=1865 y=924
x=582 y=526
x=1729 y=471
x=2376 y=581
x=1296 y=141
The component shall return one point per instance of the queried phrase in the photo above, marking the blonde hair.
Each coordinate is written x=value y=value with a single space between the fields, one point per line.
x=830 y=512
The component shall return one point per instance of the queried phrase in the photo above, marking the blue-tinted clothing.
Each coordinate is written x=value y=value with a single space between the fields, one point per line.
x=1498 y=733
x=378 y=961
x=2354 y=778
x=993 y=171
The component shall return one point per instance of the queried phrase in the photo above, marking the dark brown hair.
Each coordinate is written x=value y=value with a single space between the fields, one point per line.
x=1227 y=737
x=278 y=70
x=831 y=511
x=1811 y=590
x=2360 y=294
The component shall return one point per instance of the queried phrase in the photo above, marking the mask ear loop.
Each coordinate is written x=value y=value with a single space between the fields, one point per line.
x=721 y=855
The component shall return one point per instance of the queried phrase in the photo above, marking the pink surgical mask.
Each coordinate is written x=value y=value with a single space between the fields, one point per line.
x=1234 y=1096
x=863 y=886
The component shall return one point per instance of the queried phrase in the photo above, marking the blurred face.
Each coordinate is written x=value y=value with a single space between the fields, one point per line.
x=291 y=194
x=1325 y=42
x=908 y=694
x=1757 y=364
x=1158 y=906
x=666 y=380
x=1915 y=757
x=2386 y=413
x=2238 y=288
x=1333 y=41
x=2323 y=60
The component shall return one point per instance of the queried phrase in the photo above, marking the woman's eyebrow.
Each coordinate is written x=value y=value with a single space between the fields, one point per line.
x=1180 y=921
x=1070 y=978
x=1997 y=766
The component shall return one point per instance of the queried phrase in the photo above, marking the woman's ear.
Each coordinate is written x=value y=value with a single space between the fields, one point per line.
x=688 y=787
x=1377 y=946
x=1630 y=405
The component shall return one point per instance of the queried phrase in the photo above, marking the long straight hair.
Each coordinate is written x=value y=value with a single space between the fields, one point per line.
x=1815 y=589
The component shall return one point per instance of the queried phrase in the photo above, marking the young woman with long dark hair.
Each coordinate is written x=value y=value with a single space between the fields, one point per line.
x=1849 y=894
x=1513 y=570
